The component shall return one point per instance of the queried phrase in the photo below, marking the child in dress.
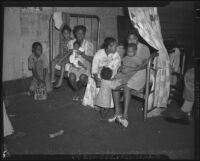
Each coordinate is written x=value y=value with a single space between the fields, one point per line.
x=126 y=71
x=103 y=98
x=75 y=58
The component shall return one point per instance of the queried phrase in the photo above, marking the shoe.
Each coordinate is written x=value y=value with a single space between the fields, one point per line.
x=123 y=121
x=113 y=119
x=182 y=121
x=75 y=98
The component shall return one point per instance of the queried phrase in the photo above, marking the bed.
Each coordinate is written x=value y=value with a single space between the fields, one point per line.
x=92 y=22
x=76 y=19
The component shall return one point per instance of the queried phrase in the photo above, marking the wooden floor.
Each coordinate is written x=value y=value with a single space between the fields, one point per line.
x=85 y=133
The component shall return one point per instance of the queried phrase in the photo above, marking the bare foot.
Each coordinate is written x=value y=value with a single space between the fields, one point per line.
x=75 y=98
x=53 y=81
x=58 y=85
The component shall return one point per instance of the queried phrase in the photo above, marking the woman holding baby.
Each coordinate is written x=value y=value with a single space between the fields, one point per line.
x=78 y=75
x=136 y=81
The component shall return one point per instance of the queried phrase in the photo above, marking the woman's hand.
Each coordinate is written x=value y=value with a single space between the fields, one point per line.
x=98 y=83
x=119 y=69
x=97 y=80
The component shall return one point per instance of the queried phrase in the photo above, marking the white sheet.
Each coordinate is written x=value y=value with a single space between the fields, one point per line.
x=67 y=66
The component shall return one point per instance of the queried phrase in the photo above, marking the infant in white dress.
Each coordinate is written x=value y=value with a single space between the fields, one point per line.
x=75 y=58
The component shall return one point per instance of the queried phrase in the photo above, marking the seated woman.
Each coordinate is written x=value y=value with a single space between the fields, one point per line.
x=78 y=77
x=136 y=82
x=107 y=56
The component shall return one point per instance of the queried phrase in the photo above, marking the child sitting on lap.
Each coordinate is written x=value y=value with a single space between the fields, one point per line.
x=129 y=63
x=75 y=58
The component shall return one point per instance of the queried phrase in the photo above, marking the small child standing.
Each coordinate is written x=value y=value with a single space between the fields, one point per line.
x=37 y=63
x=75 y=58
x=129 y=63
x=103 y=98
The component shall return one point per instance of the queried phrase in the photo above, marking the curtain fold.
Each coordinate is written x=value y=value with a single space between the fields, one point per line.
x=146 y=20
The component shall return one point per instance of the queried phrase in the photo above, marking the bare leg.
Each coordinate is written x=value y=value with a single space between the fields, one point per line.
x=61 y=76
x=83 y=79
x=53 y=71
x=116 y=98
x=72 y=81
x=127 y=97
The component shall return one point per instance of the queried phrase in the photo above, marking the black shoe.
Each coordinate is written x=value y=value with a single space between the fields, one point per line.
x=182 y=120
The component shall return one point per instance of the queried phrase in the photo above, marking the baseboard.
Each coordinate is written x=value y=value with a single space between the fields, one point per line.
x=20 y=86
x=17 y=86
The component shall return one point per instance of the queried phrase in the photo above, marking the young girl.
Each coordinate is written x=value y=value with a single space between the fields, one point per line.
x=103 y=98
x=62 y=57
x=75 y=58
x=37 y=63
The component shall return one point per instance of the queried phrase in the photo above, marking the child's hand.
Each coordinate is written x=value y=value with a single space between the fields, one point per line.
x=119 y=69
x=43 y=83
x=98 y=82
x=39 y=82
x=70 y=51
x=112 y=78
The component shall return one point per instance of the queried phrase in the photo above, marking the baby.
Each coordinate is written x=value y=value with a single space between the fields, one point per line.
x=129 y=63
x=103 y=98
x=75 y=58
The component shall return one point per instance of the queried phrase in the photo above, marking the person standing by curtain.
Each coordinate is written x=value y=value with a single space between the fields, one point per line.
x=136 y=82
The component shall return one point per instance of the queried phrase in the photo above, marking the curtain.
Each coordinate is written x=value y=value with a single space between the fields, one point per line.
x=146 y=20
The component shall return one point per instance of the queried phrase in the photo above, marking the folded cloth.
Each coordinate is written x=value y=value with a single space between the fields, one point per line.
x=7 y=126
x=174 y=59
x=57 y=17
x=74 y=59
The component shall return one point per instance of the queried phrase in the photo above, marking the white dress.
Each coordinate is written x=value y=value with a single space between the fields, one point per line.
x=75 y=58
x=7 y=126
x=104 y=94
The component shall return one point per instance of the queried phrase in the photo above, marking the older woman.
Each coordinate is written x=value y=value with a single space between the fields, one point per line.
x=107 y=56
x=78 y=76
x=136 y=82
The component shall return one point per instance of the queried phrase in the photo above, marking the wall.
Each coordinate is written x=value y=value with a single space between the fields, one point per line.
x=18 y=38
x=177 y=21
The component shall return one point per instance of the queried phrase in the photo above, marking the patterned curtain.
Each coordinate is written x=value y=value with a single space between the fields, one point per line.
x=146 y=20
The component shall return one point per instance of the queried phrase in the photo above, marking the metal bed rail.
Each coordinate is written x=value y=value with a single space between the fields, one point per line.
x=147 y=84
x=51 y=36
